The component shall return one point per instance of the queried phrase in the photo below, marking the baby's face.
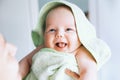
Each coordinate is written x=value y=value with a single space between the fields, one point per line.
x=60 y=33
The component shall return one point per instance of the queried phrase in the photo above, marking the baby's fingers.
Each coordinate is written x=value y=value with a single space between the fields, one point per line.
x=72 y=74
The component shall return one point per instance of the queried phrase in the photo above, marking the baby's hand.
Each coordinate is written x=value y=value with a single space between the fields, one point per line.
x=72 y=74
x=8 y=64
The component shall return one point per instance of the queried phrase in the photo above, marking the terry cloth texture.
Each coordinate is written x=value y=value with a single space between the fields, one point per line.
x=86 y=31
x=49 y=64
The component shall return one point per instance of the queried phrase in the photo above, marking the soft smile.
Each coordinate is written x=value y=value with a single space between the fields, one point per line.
x=61 y=44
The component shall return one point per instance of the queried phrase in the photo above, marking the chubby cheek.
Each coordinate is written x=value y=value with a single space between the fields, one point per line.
x=48 y=41
x=74 y=42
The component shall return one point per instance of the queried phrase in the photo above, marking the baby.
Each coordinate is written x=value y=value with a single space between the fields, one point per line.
x=67 y=46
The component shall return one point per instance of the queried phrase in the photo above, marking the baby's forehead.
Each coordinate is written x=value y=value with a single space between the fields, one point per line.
x=59 y=7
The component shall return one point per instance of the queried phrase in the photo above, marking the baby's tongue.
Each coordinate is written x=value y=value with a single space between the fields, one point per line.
x=61 y=44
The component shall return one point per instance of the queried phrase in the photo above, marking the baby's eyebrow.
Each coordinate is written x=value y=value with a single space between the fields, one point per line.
x=48 y=25
x=71 y=26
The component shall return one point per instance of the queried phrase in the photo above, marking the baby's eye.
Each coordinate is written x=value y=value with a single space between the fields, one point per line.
x=69 y=29
x=52 y=30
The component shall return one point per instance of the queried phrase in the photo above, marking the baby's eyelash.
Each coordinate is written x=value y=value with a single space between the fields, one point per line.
x=52 y=30
x=69 y=29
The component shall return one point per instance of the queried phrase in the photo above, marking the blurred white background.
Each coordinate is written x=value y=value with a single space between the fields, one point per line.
x=18 y=17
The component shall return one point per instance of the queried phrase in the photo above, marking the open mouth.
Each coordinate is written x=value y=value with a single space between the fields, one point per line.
x=61 y=44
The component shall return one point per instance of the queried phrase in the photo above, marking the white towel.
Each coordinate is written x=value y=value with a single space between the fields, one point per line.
x=53 y=68
x=49 y=64
x=85 y=30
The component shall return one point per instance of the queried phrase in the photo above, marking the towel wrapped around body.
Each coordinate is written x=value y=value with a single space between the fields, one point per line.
x=49 y=64
x=85 y=30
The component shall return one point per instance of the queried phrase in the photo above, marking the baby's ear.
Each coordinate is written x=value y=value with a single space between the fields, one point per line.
x=37 y=39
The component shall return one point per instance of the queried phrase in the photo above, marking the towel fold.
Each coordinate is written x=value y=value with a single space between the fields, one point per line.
x=49 y=64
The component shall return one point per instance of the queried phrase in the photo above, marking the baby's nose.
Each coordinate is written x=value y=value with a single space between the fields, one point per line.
x=59 y=34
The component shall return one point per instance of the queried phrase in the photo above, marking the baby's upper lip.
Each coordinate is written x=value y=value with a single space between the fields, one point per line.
x=61 y=44
x=60 y=41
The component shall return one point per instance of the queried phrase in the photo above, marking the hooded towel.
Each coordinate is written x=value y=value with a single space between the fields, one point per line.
x=86 y=31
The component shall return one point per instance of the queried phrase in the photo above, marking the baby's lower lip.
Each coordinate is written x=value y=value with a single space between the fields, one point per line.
x=61 y=45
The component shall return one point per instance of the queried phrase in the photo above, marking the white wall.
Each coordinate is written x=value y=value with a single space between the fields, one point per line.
x=105 y=14
x=17 y=17
x=83 y=4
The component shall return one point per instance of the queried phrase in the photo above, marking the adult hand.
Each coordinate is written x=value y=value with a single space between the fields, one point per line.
x=8 y=64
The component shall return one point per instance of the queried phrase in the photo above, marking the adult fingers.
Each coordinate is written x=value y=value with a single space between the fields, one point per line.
x=6 y=48
x=1 y=39
x=2 y=45
x=72 y=74
x=11 y=49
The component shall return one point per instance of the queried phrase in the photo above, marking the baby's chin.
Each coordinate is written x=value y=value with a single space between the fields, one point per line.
x=64 y=50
